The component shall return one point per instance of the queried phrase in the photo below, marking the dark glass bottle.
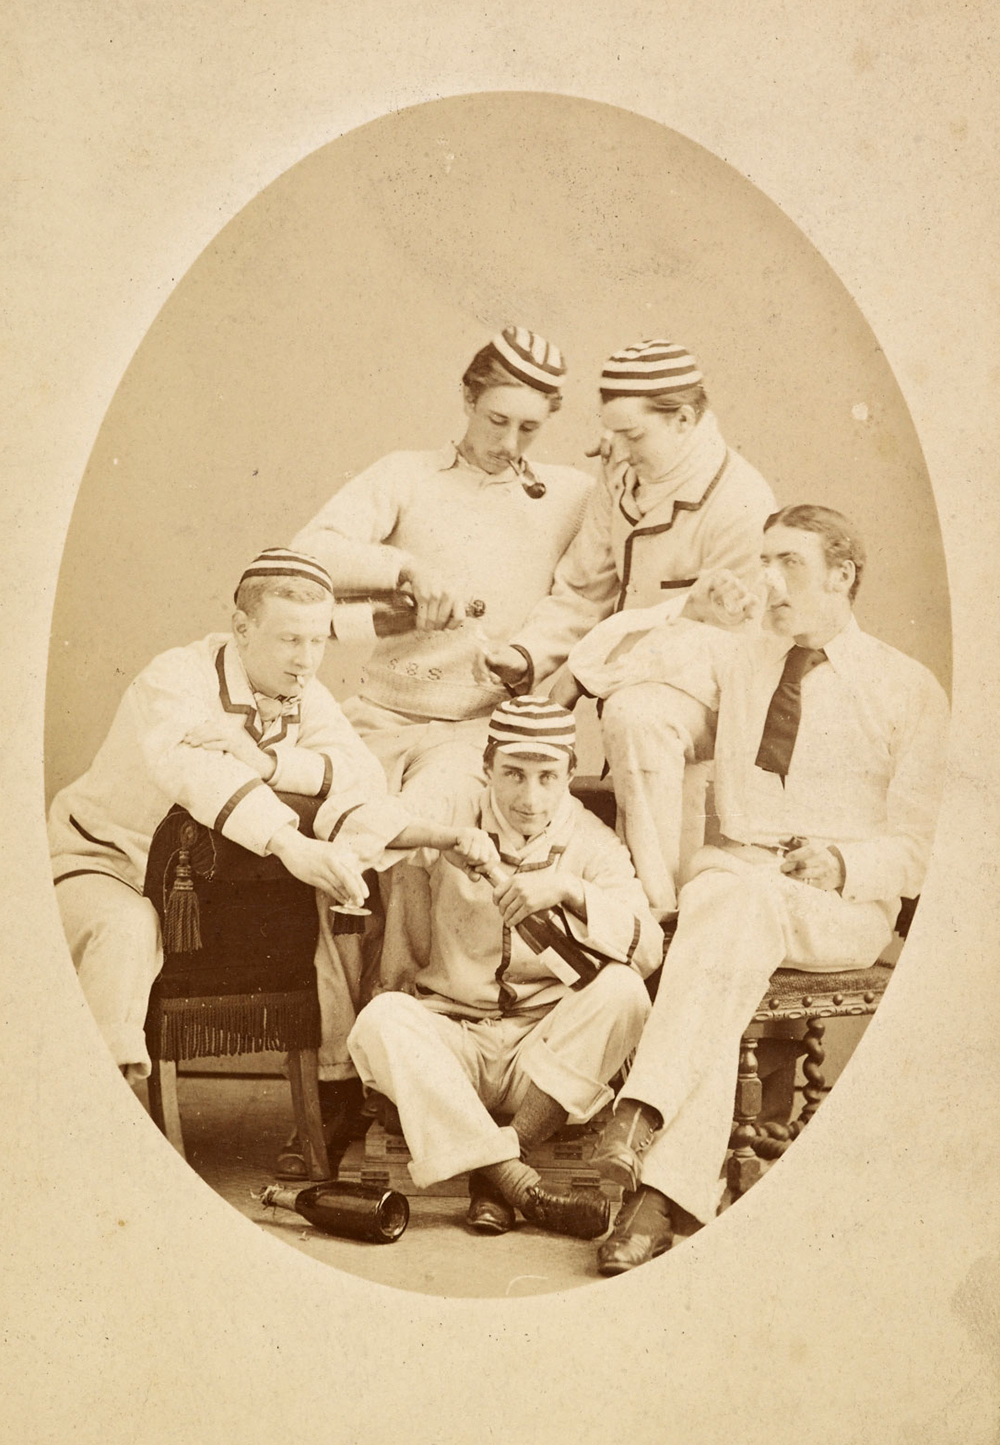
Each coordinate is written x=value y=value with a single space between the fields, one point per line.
x=354 y=1211
x=391 y=613
x=541 y=930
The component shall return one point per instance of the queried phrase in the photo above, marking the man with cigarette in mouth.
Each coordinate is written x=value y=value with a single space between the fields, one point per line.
x=829 y=764
x=221 y=727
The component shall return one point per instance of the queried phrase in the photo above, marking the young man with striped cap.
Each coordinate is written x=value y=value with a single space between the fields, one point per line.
x=492 y=1027
x=221 y=726
x=472 y=519
x=674 y=501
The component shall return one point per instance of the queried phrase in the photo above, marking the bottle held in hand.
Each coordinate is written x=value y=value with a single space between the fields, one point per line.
x=365 y=616
x=541 y=931
x=352 y=1211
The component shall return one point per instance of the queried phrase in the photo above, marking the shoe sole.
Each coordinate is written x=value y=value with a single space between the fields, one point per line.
x=488 y=1228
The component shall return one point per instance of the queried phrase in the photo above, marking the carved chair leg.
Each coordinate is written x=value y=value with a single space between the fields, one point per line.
x=744 y=1166
x=813 y=1071
x=304 y=1079
x=163 y=1107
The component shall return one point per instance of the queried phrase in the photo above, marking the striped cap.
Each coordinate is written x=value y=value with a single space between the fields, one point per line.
x=281 y=562
x=530 y=357
x=650 y=368
x=532 y=724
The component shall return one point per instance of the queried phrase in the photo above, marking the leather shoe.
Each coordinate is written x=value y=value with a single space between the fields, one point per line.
x=490 y=1216
x=624 y=1140
x=291 y=1162
x=642 y=1231
x=489 y=1212
x=583 y=1216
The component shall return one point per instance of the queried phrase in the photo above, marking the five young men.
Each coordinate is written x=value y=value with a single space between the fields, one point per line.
x=828 y=751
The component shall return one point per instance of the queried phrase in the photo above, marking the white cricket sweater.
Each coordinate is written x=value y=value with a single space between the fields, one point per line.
x=481 y=533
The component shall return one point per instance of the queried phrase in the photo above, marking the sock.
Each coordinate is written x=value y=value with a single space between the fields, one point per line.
x=513 y=1178
x=537 y=1118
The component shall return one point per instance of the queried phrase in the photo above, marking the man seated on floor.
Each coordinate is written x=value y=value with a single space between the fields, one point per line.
x=494 y=1027
x=829 y=762
x=221 y=727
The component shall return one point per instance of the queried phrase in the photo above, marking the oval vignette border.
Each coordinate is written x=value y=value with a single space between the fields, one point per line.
x=279 y=342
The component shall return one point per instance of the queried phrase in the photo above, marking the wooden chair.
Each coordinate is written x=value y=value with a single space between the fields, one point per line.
x=794 y=1009
x=790 y=1020
x=238 y=975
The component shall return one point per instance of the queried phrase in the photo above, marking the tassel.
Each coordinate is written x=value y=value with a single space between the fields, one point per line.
x=182 y=916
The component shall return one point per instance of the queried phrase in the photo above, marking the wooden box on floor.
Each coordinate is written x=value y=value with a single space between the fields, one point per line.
x=381 y=1159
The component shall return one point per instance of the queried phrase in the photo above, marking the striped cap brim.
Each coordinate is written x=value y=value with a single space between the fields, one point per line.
x=282 y=562
x=532 y=724
x=530 y=357
x=650 y=368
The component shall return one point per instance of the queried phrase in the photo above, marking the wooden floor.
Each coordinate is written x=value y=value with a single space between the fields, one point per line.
x=233 y=1129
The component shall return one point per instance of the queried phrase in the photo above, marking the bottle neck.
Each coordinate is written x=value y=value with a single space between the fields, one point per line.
x=274 y=1196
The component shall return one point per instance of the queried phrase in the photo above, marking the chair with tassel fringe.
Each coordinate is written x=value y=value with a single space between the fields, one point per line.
x=238 y=976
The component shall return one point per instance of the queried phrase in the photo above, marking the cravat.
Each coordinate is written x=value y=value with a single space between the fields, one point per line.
x=271 y=708
x=781 y=725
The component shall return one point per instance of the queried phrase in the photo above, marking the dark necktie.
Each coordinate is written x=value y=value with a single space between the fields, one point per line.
x=781 y=725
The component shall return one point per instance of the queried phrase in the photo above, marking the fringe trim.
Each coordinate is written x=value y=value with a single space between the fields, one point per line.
x=198 y=1028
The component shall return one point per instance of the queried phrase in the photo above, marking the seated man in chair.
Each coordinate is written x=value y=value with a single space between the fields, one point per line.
x=829 y=763
x=494 y=1026
x=220 y=727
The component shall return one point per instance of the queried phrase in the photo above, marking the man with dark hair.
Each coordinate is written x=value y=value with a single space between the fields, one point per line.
x=221 y=727
x=495 y=1027
x=674 y=501
x=473 y=519
x=829 y=765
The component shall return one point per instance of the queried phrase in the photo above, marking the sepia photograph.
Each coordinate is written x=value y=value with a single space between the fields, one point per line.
x=346 y=398
x=494 y=690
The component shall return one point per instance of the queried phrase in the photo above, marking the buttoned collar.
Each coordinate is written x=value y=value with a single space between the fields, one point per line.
x=845 y=650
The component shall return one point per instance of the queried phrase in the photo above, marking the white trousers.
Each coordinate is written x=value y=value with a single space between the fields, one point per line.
x=114 y=940
x=445 y=1076
x=347 y=974
x=740 y=919
x=650 y=733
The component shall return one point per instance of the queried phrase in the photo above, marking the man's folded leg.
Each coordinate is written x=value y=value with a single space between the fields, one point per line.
x=429 y=1066
x=114 y=940
x=559 y=1072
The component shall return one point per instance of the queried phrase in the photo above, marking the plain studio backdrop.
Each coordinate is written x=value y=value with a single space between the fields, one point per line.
x=331 y=319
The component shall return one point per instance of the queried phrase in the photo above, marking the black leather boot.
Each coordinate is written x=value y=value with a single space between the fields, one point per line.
x=624 y=1140
x=642 y=1231
x=583 y=1216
